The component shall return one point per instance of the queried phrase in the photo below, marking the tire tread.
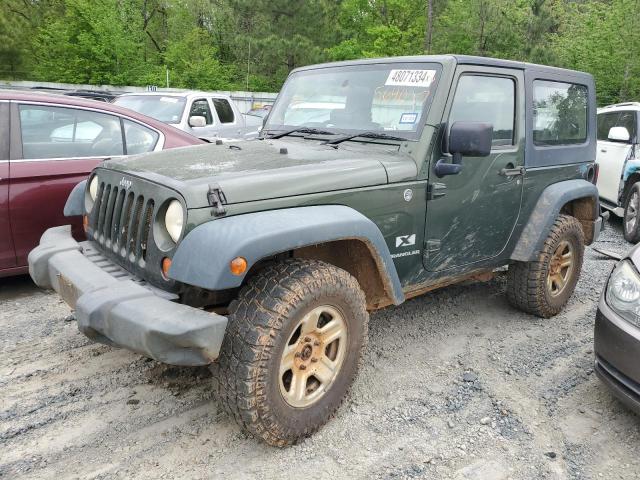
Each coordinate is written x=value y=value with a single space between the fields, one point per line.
x=256 y=320
x=526 y=281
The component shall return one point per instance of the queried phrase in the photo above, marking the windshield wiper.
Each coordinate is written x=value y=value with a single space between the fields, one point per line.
x=380 y=135
x=311 y=130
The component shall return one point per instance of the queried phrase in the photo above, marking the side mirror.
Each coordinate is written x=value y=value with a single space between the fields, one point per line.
x=197 y=121
x=470 y=139
x=466 y=139
x=619 y=134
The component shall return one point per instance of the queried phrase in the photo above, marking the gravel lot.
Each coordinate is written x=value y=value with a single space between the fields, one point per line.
x=456 y=385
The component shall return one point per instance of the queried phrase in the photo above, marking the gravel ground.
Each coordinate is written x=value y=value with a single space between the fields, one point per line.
x=456 y=385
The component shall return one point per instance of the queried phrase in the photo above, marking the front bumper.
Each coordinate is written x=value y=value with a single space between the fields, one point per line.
x=114 y=308
x=617 y=351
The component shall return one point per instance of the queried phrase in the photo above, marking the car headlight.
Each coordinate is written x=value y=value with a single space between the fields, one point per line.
x=174 y=219
x=93 y=188
x=623 y=292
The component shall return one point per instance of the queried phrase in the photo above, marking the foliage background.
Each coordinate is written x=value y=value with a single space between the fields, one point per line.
x=240 y=44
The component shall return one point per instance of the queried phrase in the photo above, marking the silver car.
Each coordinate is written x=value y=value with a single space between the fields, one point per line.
x=205 y=115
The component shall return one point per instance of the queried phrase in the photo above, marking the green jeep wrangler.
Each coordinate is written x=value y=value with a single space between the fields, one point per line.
x=373 y=181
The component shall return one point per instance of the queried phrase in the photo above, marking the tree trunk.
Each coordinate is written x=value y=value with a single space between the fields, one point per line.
x=428 y=33
x=624 y=90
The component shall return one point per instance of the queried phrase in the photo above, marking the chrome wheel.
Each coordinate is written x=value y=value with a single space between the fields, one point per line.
x=631 y=214
x=560 y=268
x=313 y=356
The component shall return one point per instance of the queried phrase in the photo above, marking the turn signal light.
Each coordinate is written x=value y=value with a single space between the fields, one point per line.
x=166 y=265
x=85 y=223
x=238 y=266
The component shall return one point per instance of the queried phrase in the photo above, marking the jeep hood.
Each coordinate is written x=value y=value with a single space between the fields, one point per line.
x=265 y=169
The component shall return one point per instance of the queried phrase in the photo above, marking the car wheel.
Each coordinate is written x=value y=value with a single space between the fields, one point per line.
x=542 y=287
x=631 y=220
x=292 y=349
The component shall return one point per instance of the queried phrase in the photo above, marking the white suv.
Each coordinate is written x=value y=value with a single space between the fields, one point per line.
x=619 y=164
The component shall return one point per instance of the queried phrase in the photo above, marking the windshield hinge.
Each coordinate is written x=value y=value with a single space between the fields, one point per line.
x=436 y=190
x=217 y=200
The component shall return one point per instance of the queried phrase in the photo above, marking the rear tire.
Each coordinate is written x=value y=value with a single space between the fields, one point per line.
x=631 y=218
x=292 y=349
x=543 y=287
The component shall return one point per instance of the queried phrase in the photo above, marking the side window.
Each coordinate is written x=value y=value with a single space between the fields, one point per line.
x=486 y=99
x=200 y=108
x=628 y=121
x=224 y=110
x=606 y=121
x=60 y=132
x=139 y=139
x=559 y=113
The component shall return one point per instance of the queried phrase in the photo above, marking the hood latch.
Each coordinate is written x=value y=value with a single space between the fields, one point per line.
x=217 y=200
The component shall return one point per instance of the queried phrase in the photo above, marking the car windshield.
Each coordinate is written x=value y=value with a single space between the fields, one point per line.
x=379 y=97
x=167 y=109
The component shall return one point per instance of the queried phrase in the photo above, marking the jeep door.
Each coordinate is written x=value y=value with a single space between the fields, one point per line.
x=612 y=155
x=53 y=148
x=475 y=218
x=7 y=252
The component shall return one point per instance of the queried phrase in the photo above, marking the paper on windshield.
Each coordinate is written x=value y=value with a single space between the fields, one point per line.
x=411 y=78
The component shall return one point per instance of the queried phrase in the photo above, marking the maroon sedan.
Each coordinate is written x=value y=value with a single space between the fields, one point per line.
x=49 y=143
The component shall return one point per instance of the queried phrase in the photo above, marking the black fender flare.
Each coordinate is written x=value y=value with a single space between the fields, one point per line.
x=75 y=201
x=545 y=212
x=202 y=257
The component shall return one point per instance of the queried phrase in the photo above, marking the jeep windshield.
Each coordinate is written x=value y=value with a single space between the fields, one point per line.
x=165 y=108
x=388 y=98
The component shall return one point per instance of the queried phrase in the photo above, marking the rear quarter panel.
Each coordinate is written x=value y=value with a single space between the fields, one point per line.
x=37 y=194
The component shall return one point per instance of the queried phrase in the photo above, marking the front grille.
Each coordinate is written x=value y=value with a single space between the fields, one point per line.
x=121 y=225
x=122 y=221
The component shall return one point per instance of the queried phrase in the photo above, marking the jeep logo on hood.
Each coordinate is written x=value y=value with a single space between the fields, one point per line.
x=124 y=183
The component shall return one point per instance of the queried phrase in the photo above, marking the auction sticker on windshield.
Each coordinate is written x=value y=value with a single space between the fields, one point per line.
x=411 y=78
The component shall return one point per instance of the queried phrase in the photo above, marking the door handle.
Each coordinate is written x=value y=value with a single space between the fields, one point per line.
x=512 y=171
x=603 y=150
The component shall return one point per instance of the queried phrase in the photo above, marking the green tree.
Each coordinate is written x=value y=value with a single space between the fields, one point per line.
x=274 y=36
x=603 y=38
x=224 y=44
x=90 y=42
x=193 y=63
x=378 y=28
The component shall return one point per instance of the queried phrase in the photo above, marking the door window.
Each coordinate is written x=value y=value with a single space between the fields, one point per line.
x=139 y=139
x=60 y=132
x=200 y=108
x=224 y=110
x=606 y=121
x=486 y=99
x=559 y=113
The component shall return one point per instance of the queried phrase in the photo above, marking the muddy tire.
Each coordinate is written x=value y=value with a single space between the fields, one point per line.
x=631 y=218
x=542 y=287
x=292 y=349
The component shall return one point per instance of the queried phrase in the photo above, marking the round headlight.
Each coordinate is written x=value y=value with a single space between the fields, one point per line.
x=93 y=188
x=174 y=219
